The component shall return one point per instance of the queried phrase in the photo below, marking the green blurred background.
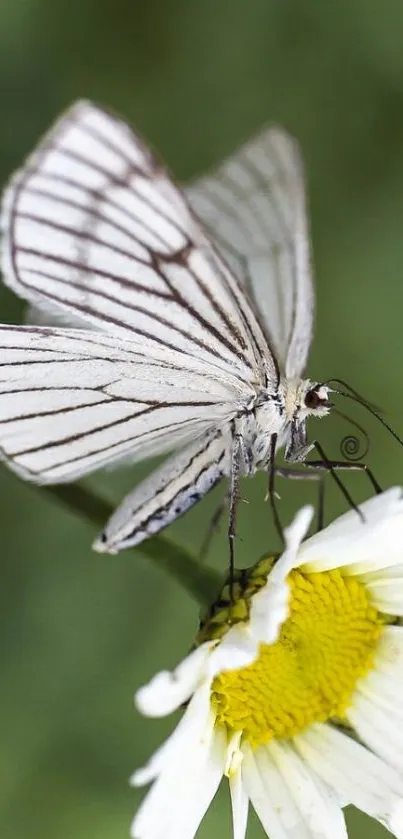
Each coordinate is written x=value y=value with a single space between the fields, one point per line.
x=79 y=632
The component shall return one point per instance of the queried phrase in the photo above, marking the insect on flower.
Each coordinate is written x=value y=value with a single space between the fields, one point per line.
x=186 y=319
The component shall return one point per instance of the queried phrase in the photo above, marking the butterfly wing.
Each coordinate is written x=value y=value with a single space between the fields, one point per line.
x=253 y=205
x=168 y=492
x=94 y=226
x=72 y=401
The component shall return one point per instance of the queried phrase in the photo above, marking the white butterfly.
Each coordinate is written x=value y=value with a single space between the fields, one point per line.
x=198 y=339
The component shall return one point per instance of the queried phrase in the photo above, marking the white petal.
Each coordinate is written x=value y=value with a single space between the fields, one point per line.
x=357 y=776
x=389 y=573
x=386 y=591
x=317 y=804
x=375 y=510
x=178 y=800
x=196 y=718
x=269 y=607
x=202 y=793
x=384 y=690
x=378 y=729
x=269 y=610
x=273 y=806
x=395 y=822
x=389 y=652
x=239 y=804
x=359 y=546
x=238 y=648
x=234 y=754
x=168 y=690
x=290 y=800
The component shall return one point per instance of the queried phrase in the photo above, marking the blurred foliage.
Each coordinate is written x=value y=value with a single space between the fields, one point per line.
x=79 y=632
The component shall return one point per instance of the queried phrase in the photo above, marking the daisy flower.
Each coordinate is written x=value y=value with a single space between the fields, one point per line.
x=294 y=692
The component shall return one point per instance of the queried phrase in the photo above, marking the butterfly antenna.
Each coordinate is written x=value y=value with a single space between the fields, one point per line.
x=350 y=446
x=355 y=396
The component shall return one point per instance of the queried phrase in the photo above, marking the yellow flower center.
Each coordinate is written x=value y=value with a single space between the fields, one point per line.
x=310 y=673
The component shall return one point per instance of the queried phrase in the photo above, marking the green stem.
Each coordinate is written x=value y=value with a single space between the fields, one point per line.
x=200 y=581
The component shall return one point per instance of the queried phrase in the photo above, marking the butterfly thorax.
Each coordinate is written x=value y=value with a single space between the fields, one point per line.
x=281 y=414
x=256 y=429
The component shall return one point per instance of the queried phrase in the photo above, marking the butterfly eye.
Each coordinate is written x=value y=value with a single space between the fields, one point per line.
x=312 y=399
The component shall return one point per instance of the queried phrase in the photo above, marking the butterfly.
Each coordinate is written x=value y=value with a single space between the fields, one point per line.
x=182 y=320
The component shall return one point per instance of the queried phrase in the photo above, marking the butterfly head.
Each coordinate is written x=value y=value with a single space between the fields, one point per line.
x=316 y=399
x=304 y=398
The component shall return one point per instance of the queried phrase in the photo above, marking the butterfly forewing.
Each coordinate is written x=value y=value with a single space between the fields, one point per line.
x=93 y=224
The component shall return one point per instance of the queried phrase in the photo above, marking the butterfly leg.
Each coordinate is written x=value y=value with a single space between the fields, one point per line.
x=230 y=500
x=271 y=486
x=343 y=465
x=335 y=466
x=238 y=456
